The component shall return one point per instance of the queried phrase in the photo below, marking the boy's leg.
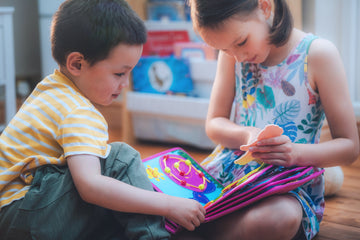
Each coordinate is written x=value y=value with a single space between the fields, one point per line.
x=124 y=164
x=53 y=209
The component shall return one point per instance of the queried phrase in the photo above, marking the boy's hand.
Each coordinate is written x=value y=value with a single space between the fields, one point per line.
x=185 y=212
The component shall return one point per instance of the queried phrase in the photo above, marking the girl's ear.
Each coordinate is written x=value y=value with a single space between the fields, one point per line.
x=266 y=7
x=74 y=63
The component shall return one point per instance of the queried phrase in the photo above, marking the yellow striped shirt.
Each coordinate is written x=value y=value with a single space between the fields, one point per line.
x=55 y=122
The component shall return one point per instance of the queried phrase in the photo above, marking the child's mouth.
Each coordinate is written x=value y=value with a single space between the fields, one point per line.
x=115 y=96
x=252 y=60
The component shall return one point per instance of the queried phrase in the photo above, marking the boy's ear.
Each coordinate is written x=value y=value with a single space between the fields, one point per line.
x=74 y=63
x=266 y=7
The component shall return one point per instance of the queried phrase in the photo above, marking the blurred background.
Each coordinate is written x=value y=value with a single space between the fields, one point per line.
x=25 y=53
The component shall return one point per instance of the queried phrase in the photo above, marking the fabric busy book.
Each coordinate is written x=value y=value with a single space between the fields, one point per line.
x=176 y=173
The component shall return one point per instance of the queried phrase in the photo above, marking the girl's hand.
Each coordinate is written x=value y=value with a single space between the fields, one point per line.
x=253 y=133
x=276 y=151
x=188 y=213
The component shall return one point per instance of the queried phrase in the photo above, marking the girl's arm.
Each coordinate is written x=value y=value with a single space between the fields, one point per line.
x=328 y=73
x=218 y=125
x=327 y=77
x=113 y=194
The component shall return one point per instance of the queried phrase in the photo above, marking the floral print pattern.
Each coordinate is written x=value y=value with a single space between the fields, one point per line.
x=279 y=95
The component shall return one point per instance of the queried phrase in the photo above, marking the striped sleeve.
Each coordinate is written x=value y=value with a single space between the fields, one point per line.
x=84 y=131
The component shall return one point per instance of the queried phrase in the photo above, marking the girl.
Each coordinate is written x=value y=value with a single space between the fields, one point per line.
x=273 y=73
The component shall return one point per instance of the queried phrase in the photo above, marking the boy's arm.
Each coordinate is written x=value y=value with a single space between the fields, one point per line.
x=113 y=194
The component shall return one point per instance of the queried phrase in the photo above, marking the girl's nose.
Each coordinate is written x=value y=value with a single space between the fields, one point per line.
x=239 y=57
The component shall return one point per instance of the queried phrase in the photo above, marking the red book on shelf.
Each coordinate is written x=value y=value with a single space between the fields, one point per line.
x=161 y=43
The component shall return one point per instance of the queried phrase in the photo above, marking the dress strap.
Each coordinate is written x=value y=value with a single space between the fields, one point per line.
x=310 y=39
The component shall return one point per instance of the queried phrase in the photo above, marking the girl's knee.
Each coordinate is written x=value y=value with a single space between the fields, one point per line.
x=287 y=217
x=279 y=215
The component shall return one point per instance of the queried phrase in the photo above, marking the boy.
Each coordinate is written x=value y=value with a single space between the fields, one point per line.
x=59 y=179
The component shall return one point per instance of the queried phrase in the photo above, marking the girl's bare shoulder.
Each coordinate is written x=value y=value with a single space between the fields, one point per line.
x=323 y=50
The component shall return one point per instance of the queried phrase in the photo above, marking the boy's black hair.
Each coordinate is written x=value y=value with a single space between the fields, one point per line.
x=93 y=28
x=213 y=13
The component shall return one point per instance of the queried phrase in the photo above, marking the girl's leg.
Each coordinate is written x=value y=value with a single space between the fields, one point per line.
x=276 y=217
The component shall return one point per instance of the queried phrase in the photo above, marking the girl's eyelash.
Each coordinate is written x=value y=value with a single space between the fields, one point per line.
x=242 y=43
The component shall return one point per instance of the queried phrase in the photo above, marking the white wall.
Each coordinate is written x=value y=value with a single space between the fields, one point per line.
x=26 y=36
x=339 y=21
x=46 y=9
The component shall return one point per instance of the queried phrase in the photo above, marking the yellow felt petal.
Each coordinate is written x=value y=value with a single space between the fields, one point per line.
x=246 y=158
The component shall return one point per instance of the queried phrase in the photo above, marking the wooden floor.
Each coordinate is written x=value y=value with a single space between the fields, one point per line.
x=342 y=211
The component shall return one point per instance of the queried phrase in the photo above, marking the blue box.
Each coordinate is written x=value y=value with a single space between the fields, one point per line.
x=163 y=75
x=172 y=10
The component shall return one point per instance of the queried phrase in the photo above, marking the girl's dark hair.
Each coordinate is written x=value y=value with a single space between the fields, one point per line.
x=94 y=28
x=213 y=13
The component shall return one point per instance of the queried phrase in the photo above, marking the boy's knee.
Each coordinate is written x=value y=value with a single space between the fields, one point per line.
x=123 y=149
x=124 y=163
x=120 y=159
x=124 y=153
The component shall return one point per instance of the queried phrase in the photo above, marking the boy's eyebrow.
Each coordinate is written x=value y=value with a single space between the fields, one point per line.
x=127 y=67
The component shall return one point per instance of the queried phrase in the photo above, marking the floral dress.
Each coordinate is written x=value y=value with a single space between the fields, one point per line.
x=278 y=95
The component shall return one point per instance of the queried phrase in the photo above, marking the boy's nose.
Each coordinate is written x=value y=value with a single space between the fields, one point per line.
x=124 y=84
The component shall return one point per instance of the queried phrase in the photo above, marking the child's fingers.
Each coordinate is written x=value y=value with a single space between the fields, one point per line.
x=189 y=226
x=196 y=222
x=271 y=149
x=273 y=141
x=201 y=217
x=202 y=209
x=275 y=158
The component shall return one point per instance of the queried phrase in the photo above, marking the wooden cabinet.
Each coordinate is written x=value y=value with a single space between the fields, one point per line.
x=296 y=10
x=139 y=7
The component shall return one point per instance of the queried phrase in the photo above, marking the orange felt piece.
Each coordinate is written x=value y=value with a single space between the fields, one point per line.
x=269 y=131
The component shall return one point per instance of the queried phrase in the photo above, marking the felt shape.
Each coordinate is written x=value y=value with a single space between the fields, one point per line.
x=181 y=171
x=178 y=174
x=269 y=131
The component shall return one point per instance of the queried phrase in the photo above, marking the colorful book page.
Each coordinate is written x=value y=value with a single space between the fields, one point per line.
x=176 y=173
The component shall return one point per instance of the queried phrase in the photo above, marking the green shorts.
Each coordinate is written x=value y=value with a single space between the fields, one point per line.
x=53 y=209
